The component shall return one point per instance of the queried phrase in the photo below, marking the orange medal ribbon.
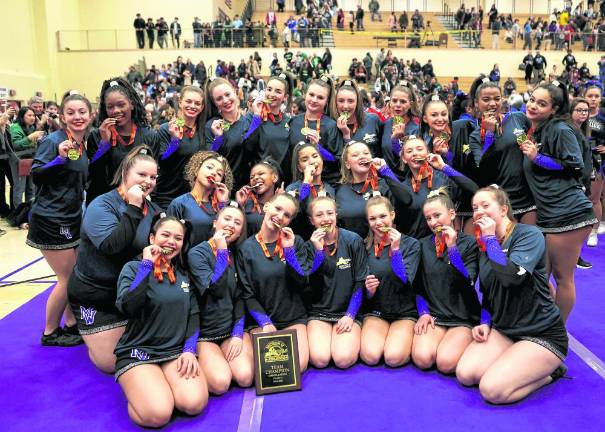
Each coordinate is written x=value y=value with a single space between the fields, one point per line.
x=371 y=180
x=480 y=242
x=212 y=244
x=70 y=137
x=439 y=244
x=200 y=203
x=255 y=204
x=314 y=192
x=157 y=270
x=327 y=250
x=425 y=171
x=115 y=136
x=379 y=247
x=278 y=249
x=125 y=198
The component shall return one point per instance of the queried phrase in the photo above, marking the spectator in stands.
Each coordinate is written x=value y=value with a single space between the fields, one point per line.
x=367 y=64
x=569 y=61
x=139 y=29
x=24 y=138
x=539 y=66
x=393 y=22
x=340 y=20
x=175 y=32
x=374 y=6
x=459 y=17
x=359 y=18
x=238 y=28
x=298 y=5
x=162 y=28
x=509 y=87
x=5 y=168
x=351 y=21
x=360 y=73
x=133 y=75
x=150 y=28
x=52 y=113
x=528 y=61
x=496 y=26
x=492 y=15
x=197 y=33
x=494 y=75
x=403 y=21
x=527 y=32
x=326 y=60
x=601 y=64
x=417 y=21
x=281 y=4
x=427 y=69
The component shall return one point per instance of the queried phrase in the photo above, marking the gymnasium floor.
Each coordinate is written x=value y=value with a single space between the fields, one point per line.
x=57 y=389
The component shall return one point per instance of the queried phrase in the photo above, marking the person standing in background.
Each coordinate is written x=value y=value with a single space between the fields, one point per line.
x=374 y=6
x=359 y=18
x=150 y=26
x=5 y=170
x=139 y=28
x=162 y=28
x=175 y=32
x=197 y=33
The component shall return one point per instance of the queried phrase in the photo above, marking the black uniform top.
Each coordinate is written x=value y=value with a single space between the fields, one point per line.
x=589 y=160
x=391 y=157
x=451 y=296
x=201 y=219
x=236 y=150
x=461 y=159
x=105 y=161
x=221 y=305
x=301 y=224
x=558 y=193
x=502 y=162
x=597 y=132
x=339 y=276
x=272 y=140
x=517 y=294
x=162 y=316
x=113 y=233
x=394 y=299
x=327 y=139
x=369 y=133
x=171 y=181
x=270 y=286
x=60 y=182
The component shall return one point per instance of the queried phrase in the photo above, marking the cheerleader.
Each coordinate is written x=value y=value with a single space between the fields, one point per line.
x=261 y=189
x=389 y=310
x=115 y=229
x=337 y=289
x=520 y=348
x=272 y=267
x=403 y=121
x=565 y=214
x=225 y=349
x=122 y=123
x=156 y=356
x=496 y=151
x=210 y=179
x=307 y=164
x=59 y=171
x=352 y=121
x=359 y=182
x=181 y=139
x=315 y=125
x=447 y=301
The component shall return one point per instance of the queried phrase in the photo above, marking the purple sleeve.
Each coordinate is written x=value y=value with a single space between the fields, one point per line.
x=217 y=142
x=548 y=163
x=451 y=172
x=103 y=148
x=261 y=319
x=318 y=259
x=486 y=317
x=292 y=260
x=143 y=271
x=191 y=343
x=172 y=147
x=222 y=261
x=254 y=124
x=305 y=190
x=238 y=328
x=59 y=160
x=398 y=266
x=494 y=250
x=385 y=171
x=489 y=140
x=396 y=146
x=355 y=303
x=421 y=306
x=449 y=157
x=456 y=260
x=325 y=154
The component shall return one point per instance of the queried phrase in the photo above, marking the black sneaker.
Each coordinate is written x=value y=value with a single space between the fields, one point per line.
x=559 y=372
x=583 y=264
x=71 y=330
x=59 y=338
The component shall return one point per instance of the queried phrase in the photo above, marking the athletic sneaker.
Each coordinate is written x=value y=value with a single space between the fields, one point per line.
x=583 y=264
x=559 y=372
x=71 y=330
x=593 y=240
x=601 y=229
x=59 y=338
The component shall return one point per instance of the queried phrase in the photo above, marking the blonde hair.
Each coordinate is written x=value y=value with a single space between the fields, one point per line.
x=345 y=173
x=372 y=202
x=501 y=198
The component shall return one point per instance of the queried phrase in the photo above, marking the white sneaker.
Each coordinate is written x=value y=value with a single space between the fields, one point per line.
x=593 y=240
x=601 y=229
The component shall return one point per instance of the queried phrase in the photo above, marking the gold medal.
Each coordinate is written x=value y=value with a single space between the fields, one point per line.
x=521 y=138
x=345 y=115
x=225 y=126
x=73 y=154
x=444 y=136
x=180 y=122
x=385 y=229
x=306 y=131
x=326 y=228
x=397 y=120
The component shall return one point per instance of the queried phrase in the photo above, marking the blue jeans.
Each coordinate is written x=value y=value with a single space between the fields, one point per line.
x=197 y=40
x=21 y=185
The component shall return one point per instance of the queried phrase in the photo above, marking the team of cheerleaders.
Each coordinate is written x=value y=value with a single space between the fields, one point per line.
x=372 y=250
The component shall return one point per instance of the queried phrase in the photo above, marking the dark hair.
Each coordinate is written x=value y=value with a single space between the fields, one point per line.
x=196 y=161
x=296 y=173
x=406 y=87
x=160 y=219
x=283 y=78
x=460 y=104
x=21 y=118
x=327 y=83
x=481 y=83
x=50 y=103
x=349 y=85
x=201 y=117
x=271 y=164
x=141 y=152
x=560 y=99
x=120 y=85
x=234 y=205
x=74 y=97
x=434 y=99
x=584 y=127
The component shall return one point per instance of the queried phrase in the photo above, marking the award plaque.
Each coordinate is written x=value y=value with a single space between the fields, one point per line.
x=276 y=363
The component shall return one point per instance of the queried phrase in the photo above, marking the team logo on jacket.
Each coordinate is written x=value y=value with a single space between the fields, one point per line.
x=139 y=354
x=66 y=232
x=343 y=263
x=518 y=131
x=466 y=148
x=185 y=286
x=369 y=138
x=87 y=315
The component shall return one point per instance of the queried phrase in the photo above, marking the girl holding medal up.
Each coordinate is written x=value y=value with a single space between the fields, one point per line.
x=60 y=170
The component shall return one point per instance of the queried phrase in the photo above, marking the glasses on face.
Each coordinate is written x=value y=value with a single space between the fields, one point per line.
x=581 y=111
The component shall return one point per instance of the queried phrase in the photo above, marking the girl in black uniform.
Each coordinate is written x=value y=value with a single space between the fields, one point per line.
x=389 y=310
x=496 y=152
x=447 y=302
x=210 y=178
x=225 y=350
x=359 y=182
x=176 y=151
x=336 y=289
x=261 y=189
x=115 y=229
x=307 y=165
x=156 y=365
x=352 y=121
x=59 y=170
x=404 y=121
x=272 y=267
x=554 y=175
x=122 y=124
x=523 y=348
x=315 y=126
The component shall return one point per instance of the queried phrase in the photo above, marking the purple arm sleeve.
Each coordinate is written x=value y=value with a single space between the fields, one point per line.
x=254 y=124
x=143 y=271
x=548 y=163
x=451 y=172
x=489 y=140
x=222 y=261
x=325 y=154
x=305 y=190
x=238 y=328
x=449 y=157
x=318 y=259
x=355 y=303
x=421 y=306
x=396 y=146
x=398 y=266
x=385 y=171
x=494 y=250
x=217 y=142
x=191 y=343
x=454 y=255
x=172 y=147
x=292 y=260
x=59 y=160
x=261 y=319
x=486 y=317
x=103 y=148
